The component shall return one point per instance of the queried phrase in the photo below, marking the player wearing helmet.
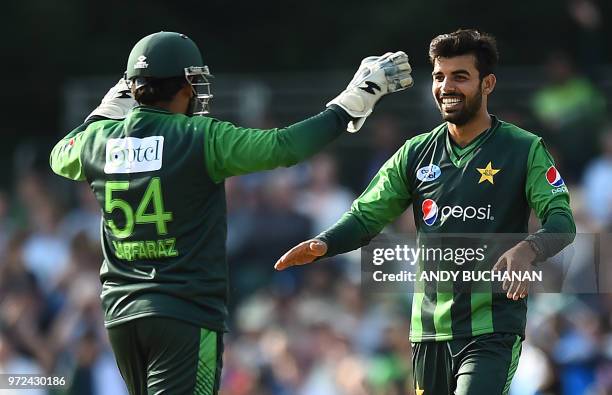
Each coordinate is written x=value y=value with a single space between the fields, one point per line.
x=157 y=168
x=174 y=57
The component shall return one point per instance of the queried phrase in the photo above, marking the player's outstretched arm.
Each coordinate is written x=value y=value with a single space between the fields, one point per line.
x=231 y=150
x=386 y=198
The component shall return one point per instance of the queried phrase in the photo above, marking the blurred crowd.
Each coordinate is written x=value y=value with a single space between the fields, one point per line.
x=306 y=331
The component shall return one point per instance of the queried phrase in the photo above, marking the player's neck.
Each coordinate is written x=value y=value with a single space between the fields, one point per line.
x=179 y=104
x=172 y=106
x=464 y=134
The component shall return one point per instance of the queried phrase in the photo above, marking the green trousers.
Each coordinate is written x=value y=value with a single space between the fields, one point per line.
x=481 y=365
x=159 y=356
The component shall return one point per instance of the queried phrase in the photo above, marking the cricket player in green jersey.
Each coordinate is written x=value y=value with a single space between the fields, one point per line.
x=157 y=165
x=472 y=174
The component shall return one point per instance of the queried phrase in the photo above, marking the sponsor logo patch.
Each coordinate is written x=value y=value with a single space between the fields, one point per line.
x=428 y=173
x=431 y=211
x=370 y=87
x=142 y=62
x=554 y=177
x=134 y=155
x=555 y=180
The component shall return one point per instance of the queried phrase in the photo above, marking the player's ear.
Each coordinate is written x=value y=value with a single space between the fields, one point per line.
x=488 y=84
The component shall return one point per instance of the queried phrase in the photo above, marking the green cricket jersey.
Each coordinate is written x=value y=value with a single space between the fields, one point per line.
x=158 y=178
x=489 y=186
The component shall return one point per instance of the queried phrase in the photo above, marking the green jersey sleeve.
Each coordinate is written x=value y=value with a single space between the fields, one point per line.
x=231 y=150
x=386 y=198
x=549 y=197
x=65 y=158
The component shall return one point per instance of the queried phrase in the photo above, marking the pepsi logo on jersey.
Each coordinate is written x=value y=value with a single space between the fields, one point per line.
x=431 y=210
x=554 y=179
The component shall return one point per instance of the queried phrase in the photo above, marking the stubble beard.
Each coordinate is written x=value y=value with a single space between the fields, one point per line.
x=466 y=114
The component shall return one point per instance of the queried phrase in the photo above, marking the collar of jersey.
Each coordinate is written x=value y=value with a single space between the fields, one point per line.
x=460 y=155
x=151 y=109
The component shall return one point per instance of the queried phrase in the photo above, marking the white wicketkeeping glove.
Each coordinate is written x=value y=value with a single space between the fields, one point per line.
x=377 y=76
x=117 y=102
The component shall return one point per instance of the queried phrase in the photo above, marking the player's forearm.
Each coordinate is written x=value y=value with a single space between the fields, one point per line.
x=303 y=139
x=386 y=198
x=232 y=151
x=346 y=235
x=557 y=232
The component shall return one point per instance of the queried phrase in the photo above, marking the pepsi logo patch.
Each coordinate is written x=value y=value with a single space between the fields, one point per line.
x=430 y=211
x=554 y=177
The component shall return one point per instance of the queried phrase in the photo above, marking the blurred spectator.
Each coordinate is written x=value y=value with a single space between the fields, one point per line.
x=363 y=323
x=533 y=373
x=240 y=214
x=385 y=141
x=85 y=217
x=7 y=225
x=390 y=369
x=570 y=110
x=589 y=20
x=79 y=290
x=597 y=185
x=577 y=352
x=604 y=370
x=324 y=201
x=22 y=308
x=12 y=362
x=46 y=248
x=96 y=372
x=277 y=224
x=329 y=374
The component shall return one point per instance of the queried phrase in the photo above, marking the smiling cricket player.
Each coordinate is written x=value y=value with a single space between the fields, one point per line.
x=474 y=173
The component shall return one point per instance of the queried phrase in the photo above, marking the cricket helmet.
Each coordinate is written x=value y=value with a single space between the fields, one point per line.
x=167 y=55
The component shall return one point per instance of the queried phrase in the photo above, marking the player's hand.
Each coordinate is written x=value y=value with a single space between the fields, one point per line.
x=376 y=77
x=302 y=254
x=117 y=102
x=519 y=259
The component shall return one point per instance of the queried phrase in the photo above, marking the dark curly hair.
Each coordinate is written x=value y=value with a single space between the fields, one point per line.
x=153 y=90
x=467 y=41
